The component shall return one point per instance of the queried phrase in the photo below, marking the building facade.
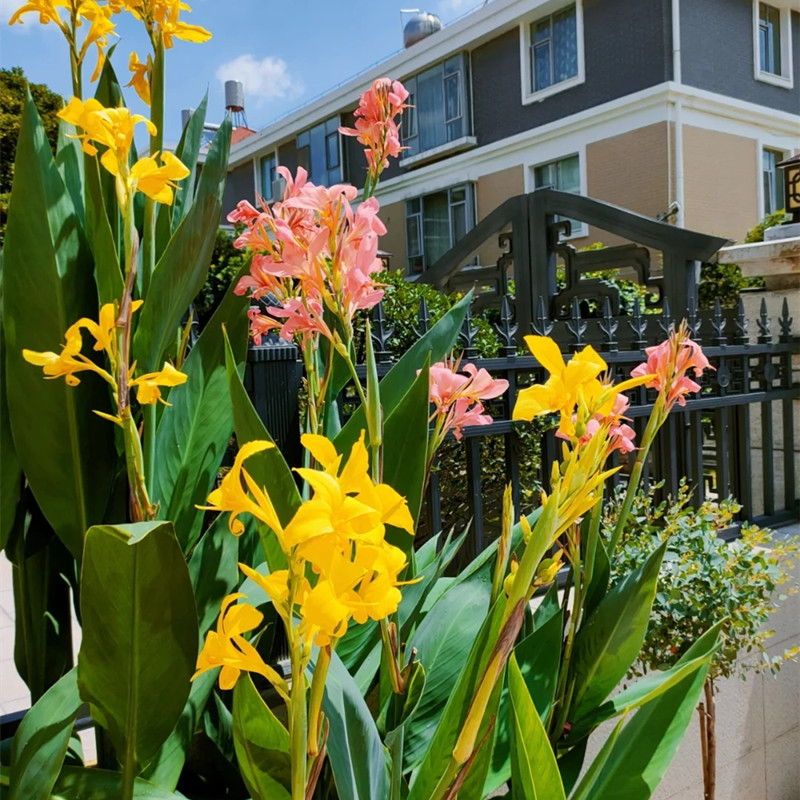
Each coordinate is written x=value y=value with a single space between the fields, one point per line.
x=676 y=109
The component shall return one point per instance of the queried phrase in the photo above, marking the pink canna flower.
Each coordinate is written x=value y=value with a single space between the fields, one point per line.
x=375 y=125
x=620 y=435
x=456 y=392
x=669 y=363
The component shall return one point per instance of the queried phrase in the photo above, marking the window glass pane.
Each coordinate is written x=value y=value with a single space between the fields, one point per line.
x=413 y=239
x=452 y=96
x=569 y=177
x=430 y=108
x=332 y=145
x=436 y=227
x=413 y=206
x=409 y=119
x=541 y=30
x=565 y=46
x=267 y=177
x=332 y=125
x=452 y=65
x=458 y=217
x=541 y=66
x=773 y=181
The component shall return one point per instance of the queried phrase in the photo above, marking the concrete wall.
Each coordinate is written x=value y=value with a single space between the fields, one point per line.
x=617 y=63
x=240 y=186
x=724 y=61
x=721 y=174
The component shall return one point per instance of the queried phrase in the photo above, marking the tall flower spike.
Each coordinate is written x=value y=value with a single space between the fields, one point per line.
x=667 y=366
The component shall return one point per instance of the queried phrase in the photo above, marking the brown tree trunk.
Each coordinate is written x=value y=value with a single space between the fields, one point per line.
x=708 y=740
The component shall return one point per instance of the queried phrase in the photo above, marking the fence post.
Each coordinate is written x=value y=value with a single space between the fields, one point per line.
x=272 y=379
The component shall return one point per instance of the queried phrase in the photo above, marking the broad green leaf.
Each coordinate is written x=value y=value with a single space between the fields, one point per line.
x=69 y=159
x=599 y=584
x=549 y=605
x=608 y=642
x=638 y=758
x=534 y=769
x=188 y=151
x=165 y=769
x=584 y=788
x=355 y=750
x=102 y=239
x=10 y=468
x=139 y=635
x=42 y=738
x=436 y=344
x=401 y=709
x=193 y=433
x=538 y=658
x=181 y=270
x=268 y=468
x=214 y=569
x=405 y=451
x=651 y=686
x=42 y=625
x=66 y=452
x=438 y=754
x=76 y=783
x=443 y=642
x=261 y=743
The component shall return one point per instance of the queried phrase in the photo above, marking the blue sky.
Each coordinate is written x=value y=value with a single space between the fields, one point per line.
x=286 y=53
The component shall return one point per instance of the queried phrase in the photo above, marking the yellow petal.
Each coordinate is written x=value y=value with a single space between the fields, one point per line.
x=546 y=352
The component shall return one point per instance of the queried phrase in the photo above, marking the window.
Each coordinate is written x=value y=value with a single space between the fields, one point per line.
x=772 y=180
x=440 y=107
x=564 y=175
x=435 y=222
x=772 y=43
x=552 y=53
x=269 y=165
x=318 y=151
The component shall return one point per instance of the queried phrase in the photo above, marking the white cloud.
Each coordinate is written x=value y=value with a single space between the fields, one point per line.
x=264 y=80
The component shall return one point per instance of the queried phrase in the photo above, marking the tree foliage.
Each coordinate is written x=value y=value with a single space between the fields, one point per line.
x=705 y=579
x=13 y=86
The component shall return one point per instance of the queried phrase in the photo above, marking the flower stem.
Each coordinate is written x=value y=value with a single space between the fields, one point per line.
x=657 y=418
x=298 y=724
x=315 y=699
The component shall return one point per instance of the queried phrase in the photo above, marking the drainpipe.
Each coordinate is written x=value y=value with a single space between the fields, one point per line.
x=678 y=105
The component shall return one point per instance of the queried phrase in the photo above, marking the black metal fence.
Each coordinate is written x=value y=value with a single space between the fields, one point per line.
x=736 y=438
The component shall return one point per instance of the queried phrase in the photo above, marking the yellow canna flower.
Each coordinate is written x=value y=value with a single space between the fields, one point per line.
x=147 y=386
x=48 y=11
x=160 y=18
x=561 y=391
x=70 y=360
x=171 y=27
x=336 y=535
x=142 y=74
x=227 y=648
x=231 y=496
x=100 y=27
x=157 y=182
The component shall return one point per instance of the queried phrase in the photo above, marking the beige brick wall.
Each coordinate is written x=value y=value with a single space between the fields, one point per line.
x=490 y=192
x=630 y=170
x=720 y=182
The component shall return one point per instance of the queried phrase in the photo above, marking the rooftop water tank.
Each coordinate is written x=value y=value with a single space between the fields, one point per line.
x=234 y=96
x=419 y=27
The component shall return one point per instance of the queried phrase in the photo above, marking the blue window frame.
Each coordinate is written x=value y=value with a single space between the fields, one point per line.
x=318 y=150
